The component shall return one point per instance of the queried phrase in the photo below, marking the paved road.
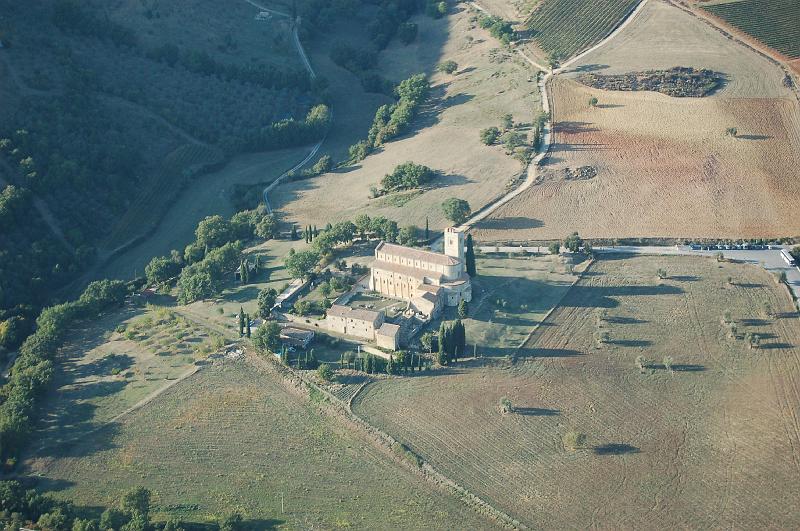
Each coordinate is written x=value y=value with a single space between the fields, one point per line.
x=769 y=259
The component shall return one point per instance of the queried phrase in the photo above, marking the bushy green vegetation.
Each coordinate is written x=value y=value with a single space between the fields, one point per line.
x=774 y=23
x=392 y=120
x=456 y=210
x=405 y=176
x=565 y=27
x=498 y=28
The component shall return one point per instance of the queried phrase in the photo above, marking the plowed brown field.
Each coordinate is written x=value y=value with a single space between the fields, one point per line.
x=714 y=444
x=665 y=166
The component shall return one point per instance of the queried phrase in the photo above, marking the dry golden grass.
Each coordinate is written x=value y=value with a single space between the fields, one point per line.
x=714 y=444
x=489 y=83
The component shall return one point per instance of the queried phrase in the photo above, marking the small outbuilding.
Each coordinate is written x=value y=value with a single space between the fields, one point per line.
x=388 y=336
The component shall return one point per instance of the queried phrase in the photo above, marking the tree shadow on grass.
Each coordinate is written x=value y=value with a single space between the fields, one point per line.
x=684 y=278
x=776 y=346
x=688 y=367
x=615 y=449
x=625 y=320
x=537 y=411
x=630 y=342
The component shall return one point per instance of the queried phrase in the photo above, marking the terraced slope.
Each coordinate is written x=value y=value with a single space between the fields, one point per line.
x=562 y=28
x=773 y=22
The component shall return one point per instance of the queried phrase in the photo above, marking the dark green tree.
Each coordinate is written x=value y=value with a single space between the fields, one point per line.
x=247 y=325
x=469 y=257
x=241 y=321
x=266 y=301
x=456 y=210
x=463 y=309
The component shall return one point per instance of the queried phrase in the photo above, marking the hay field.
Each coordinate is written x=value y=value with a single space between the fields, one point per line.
x=233 y=437
x=490 y=82
x=665 y=167
x=714 y=444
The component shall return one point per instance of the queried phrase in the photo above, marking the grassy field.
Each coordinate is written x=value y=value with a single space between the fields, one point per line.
x=111 y=365
x=510 y=297
x=774 y=23
x=711 y=443
x=691 y=180
x=489 y=83
x=233 y=437
x=563 y=28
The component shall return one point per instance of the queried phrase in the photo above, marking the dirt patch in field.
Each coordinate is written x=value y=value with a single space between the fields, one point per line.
x=489 y=83
x=665 y=166
x=711 y=443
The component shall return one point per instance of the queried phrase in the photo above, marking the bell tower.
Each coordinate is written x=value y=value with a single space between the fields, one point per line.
x=454 y=243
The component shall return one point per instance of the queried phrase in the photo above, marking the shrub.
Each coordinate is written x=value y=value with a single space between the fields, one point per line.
x=447 y=67
x=505 y=406
x=490 y=135
x=325 y=372
x=642 y=363
x=574 y=440
x=405 y=176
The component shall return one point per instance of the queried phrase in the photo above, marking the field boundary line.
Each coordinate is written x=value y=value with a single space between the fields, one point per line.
x=354 y=395
x=555 y=307
x=392 y=447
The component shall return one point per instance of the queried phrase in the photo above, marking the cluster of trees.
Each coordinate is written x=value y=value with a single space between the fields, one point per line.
x=452 y=341
x=392 y=120
x=405 y=176
x=199 y=62
x=289 y=132
x=379 y=227
x=33 y=369
x=267 y=338
x=399 y=362
x=514 y=140
x=498 y=28
x=216 y=251
x=21 y=508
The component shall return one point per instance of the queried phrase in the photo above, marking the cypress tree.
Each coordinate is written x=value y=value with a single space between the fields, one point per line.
x=427 y=230
x=469 y=257
x=294 y=232
x=442 y=340
x=390 y=365
x=312 y=360
x=247 y=318
x=241 y=321
x=463 y=309
x=316 y=232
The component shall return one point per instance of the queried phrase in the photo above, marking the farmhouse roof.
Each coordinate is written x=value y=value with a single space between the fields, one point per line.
x=413 y=272
x=338 y=310
x=388 y=329
x=416 y=254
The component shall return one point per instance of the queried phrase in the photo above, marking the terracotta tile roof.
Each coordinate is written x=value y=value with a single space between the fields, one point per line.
x=416 y=254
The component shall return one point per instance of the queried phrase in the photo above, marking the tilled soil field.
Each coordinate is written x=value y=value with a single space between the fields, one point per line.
x=711 y=443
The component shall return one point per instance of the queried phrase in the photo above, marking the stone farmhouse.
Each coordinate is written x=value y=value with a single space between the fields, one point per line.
x=364 y=324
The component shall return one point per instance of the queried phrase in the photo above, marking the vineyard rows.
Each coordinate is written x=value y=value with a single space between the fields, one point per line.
x=564 y=28
x=775 y=23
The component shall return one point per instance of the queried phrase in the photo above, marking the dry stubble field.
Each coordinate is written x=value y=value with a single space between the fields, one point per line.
x=713 y=445
x=233 y=437
x=665 y=166
x=490 y=82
